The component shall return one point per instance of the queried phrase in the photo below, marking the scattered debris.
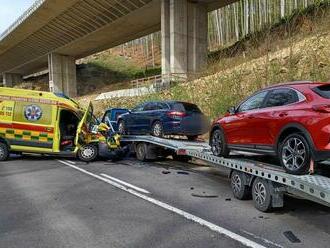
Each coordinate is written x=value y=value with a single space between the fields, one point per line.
x=183 y=173
x=166 y=172
x=291 y=237
x=204 y=195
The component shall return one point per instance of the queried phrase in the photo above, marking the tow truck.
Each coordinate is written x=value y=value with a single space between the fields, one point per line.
x=265 y=183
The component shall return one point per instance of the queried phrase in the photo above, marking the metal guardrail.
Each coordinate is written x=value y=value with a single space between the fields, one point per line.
x=22 y=18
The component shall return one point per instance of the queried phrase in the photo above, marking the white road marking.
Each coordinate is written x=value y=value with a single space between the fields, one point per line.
x=69 y=161
x=263 y=239
x=126 y=184
x=211 y=226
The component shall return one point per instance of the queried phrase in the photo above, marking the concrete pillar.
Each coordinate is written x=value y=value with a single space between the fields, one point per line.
x=184 y=37
x=10 y=79
x=197 y=37
x=62 y=74
x=165 y=31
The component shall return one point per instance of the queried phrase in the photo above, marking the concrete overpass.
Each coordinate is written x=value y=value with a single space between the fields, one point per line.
x=54 y=33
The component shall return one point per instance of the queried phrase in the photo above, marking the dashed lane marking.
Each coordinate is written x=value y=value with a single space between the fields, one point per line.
x=245 y=241
x=126 y=184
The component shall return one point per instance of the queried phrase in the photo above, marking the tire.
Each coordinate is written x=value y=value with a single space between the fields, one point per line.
x=192 y=137
x=88 y=153
x=157 y=129
x=218 y=144
x=141 y=152
x=122 y=127
x=181 y=158
x=295 y=154
x=239 y=189
x=4 y=151
x=261 y=195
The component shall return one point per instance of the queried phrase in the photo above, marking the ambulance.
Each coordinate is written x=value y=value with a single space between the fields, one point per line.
x=45 y=123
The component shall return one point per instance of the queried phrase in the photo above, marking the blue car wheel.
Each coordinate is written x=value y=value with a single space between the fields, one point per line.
x=157 y=129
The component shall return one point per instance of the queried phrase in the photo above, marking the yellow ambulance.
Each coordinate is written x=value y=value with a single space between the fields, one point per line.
x=45 y=123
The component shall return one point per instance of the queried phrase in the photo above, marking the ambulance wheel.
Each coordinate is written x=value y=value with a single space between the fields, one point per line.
x=88 y=153
x=4 y=151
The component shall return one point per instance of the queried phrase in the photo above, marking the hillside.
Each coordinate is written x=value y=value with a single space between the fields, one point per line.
x=294 y=49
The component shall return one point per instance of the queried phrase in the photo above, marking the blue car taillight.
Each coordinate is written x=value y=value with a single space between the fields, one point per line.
x=176 y=114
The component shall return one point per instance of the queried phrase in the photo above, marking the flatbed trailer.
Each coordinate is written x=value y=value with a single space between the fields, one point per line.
x=265 y=183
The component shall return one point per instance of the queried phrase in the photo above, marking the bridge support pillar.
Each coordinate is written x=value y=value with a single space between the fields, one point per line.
x=62 y=74
x=184 y=37
x=10 y=79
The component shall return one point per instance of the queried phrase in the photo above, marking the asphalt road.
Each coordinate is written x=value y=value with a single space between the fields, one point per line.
x=59 y=203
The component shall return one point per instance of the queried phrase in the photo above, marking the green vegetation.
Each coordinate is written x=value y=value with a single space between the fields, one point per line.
x=297 y=49
x=108 y=72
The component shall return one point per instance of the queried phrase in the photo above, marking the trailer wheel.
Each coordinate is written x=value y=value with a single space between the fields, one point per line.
x=261 y=195
x=141 y=151
x=88 y=153
x=240 y=190
x=4 y=151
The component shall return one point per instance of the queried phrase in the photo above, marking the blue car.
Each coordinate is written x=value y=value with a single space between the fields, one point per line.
x=110 y=117
x=164 y=118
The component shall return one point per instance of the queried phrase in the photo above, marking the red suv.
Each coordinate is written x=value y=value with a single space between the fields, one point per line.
x=290 y=121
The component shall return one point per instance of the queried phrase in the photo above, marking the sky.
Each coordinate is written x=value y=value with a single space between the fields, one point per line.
x=10 y=10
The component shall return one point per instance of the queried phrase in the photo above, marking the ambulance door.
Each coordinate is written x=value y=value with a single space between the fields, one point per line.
x=83 y=128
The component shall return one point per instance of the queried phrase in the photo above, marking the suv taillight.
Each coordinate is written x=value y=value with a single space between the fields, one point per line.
x=323 y=108
x=176 y=114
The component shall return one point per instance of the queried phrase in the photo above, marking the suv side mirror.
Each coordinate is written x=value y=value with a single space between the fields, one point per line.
x=232 y=110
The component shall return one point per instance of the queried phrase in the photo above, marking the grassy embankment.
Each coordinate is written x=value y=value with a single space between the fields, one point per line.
x=297 y=48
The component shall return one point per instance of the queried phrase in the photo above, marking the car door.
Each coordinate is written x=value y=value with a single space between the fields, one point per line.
x=280 y=106
x=241 y=127
x=82 y=128
x=133 y=119
x=150 y=112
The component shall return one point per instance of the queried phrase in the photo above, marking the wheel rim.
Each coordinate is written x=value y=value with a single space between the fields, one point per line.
x=88 y=152
x=236 y=184
x=294 y=154
x=260 y=193
x=157 y=130
x=216 y=143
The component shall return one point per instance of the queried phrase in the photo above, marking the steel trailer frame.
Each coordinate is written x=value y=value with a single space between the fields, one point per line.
x=311 y=187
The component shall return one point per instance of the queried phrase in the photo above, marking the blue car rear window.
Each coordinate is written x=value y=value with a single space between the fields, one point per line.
x=186 y=107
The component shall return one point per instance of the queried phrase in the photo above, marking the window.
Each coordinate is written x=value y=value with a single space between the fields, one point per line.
x=253 y=102
x=281 y=97
x=186 y=107
x=323 y=91
x=138 y=108
x=150 y=106
x=161 y=105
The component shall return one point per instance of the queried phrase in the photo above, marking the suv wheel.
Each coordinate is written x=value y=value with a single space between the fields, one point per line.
x=4 y=151
x=157 y=129
x=295 y=154
x=218 y=144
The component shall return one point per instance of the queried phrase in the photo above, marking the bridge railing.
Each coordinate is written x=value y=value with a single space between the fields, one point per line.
x=22 y=18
